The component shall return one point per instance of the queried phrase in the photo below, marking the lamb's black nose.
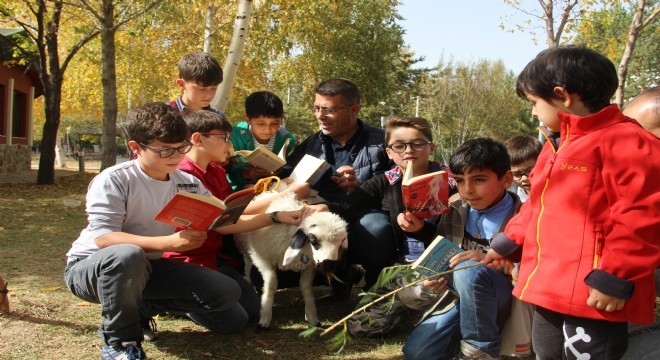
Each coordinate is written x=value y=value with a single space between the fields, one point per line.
x=328 y=266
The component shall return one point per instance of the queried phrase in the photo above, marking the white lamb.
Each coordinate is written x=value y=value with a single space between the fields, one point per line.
x=316 y=242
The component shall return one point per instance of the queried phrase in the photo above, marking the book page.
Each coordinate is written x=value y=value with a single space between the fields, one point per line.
x=309 y=170
x=435 y=258
x=265 y=159
x=282 y=153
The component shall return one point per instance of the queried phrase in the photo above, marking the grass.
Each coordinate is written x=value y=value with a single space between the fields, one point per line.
x=48 y=322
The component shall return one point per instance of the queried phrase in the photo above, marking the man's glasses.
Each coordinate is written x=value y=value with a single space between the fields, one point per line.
x=328 y=111
x=518 y=174
x=225 y=136
x=169 y=152
x=401 y=147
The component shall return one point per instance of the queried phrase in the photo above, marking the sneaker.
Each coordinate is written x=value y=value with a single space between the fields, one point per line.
x=149 y=329
x=129 y=350
x=470 y=352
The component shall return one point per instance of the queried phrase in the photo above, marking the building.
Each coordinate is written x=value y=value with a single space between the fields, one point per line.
x=19 y=86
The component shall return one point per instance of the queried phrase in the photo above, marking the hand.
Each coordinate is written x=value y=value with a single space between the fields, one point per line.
x=409 y=222
x=346 y=179
x=255 y=173
x=290 y=217
x=605 y=302
x=436 y=286
x=311 y=209
x=186 y=240
x=490 y=257
x=464 y=256
x=301 y=190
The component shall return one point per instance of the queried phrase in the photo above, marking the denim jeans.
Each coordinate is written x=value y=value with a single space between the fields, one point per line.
x=371 y=244
x=483 y=308
x=129 y=286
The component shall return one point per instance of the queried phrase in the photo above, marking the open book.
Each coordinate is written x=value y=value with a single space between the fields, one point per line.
x=309 y=170
x=426 y=195
x=264 y=158
x=199 y=212
x=435 y=259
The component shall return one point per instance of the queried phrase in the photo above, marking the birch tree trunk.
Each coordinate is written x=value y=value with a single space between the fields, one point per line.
x=208 y=26
x=241 y=26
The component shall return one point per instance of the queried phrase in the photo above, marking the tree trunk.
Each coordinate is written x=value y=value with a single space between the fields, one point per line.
x=109 y=80
x=208 y=26
x=46 y=173
x=241 y=26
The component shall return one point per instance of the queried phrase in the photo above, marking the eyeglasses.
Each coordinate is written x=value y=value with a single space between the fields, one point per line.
x=328 y=111
x=401 y=147
x=169 y=152
x=518 y=174
x=225 y=136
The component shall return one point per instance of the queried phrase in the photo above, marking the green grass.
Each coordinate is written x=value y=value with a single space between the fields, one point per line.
x=48 y=322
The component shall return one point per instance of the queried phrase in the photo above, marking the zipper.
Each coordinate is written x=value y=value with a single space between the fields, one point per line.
x=598 y=244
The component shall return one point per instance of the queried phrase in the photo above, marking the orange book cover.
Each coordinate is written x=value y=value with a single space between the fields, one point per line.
x=426 y=195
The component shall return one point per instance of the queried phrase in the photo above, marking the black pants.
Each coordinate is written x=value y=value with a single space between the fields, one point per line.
x=558 y=336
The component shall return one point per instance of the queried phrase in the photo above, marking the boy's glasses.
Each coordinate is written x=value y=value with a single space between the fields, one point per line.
x=518 y=175
x=328 y=111
x=169 y=152
x=401 y=147
x=226 y=137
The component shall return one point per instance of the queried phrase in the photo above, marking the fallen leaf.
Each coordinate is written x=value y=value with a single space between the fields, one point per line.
x=83 y=303
x=186 y=328
x=262 y=343
x=53 y=288
x=207 y=354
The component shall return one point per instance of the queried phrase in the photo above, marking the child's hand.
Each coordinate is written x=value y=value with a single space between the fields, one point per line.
x=186 y=240
x=290 y=217
x=255 y=173
x=490 y=257
x=464 y=256
x=311 y=209
x=436 y=286
x=346 y=179
x=409 y=222
x=301 y=190
x=605 y=302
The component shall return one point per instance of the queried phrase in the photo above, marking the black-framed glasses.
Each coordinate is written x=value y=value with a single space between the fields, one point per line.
x=328 y=111
x=169 y=152
x=225 y=136
x=518 y=174
x=401 y=147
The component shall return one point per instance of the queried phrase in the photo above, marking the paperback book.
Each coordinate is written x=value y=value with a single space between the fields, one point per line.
x=435 y=259
x=426 y=195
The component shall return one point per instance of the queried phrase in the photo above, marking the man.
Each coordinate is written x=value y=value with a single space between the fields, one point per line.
x=645 y=108
x=355 y=151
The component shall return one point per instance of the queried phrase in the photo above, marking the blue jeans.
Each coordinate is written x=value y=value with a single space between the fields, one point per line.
x=129 y=286
x=483 y=308
x=371 y=244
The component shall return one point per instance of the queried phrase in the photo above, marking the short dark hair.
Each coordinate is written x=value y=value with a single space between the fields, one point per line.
x=200 y=67
x=336 y=86
x=205 y=121
x=522 y=148
x=479 y=154
x=156 y=121
x=263 y=103
x=420 y=124
x=577 y=69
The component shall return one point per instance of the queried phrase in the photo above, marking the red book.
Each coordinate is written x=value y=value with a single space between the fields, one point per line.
x=426 y=195
x=200 y=212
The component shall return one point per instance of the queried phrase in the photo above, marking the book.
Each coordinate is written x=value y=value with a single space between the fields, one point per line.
x=188 y=210
x=309 y=170
x=426 y=195
x=435 y=259
x=263 y=158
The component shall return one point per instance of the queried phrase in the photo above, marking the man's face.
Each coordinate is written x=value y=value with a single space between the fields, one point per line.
x=481 y=188
x=264 y=128
x=336 y=118
x=195 y=95
x=521 y=173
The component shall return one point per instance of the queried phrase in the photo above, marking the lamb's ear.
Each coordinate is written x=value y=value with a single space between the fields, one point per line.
x=344 y=244
x=297 y=243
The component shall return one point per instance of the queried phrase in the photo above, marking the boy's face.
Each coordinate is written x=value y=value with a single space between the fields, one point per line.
x=151 y=161
x=481 y=188
x=547 y=111
x=420 y=158
x=521 y=173
x=264 y=128
x=195 y=95
x=216 y=144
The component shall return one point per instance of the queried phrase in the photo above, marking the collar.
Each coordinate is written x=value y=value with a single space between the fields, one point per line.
x=182 y=107
x=502 y=206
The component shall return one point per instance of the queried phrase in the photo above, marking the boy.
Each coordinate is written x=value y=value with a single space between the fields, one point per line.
x=210 y=134
x=589 y=230
x=473 y=323
x=264 y=113
x=523 y=151
x=199 y=77
x=116 y=261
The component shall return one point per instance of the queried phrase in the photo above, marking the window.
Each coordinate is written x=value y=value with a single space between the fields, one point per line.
x=19 y=121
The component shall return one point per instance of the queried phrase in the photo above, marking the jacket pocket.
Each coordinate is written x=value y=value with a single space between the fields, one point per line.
x=598 y=244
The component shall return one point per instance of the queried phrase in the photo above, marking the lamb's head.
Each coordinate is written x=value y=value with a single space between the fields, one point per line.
x=326 y=233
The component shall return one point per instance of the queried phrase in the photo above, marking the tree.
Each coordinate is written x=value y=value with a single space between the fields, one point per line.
x=554 y=27
x=41 y=20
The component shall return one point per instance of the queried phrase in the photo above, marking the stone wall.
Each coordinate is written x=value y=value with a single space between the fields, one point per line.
x=15 y=159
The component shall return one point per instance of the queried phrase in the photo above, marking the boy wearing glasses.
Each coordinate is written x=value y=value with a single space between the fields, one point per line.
x=116 y=261
x=523 y=150
x=264 y=114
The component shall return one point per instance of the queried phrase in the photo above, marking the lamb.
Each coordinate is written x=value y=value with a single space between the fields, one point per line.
x=316 y=242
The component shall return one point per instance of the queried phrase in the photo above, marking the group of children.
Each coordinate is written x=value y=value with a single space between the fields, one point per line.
x=579 y=223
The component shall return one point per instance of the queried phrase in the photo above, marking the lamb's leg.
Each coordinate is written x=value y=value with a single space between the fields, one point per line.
x=268 y=296
x=247 y=268
x=307 y=288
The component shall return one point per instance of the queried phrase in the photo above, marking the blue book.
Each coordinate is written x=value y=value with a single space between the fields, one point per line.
x=435 y=259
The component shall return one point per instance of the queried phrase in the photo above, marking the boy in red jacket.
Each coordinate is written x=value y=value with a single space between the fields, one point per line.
x=589 y=230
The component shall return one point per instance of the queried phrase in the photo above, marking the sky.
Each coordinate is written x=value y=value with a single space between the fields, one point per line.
x=467 y=30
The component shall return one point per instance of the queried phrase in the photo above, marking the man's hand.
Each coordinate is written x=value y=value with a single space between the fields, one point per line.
x=436 y=286
x=409 y=222
x=346 y=179
x=605 y=302
x=186 y=240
